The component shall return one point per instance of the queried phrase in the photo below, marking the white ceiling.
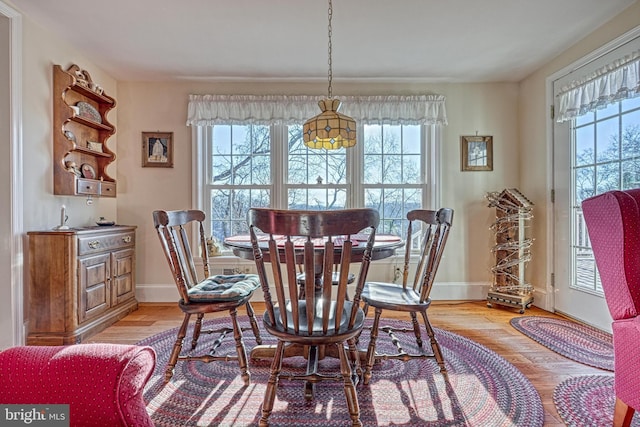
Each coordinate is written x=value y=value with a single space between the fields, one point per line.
x=273 y=40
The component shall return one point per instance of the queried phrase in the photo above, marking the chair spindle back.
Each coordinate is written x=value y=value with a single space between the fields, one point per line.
x=435 y=226
x=174 y=228
x=315 y=240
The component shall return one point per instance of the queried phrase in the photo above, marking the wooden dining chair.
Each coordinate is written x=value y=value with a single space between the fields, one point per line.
x=431 y=228
x=202 y=293
x=323 y=317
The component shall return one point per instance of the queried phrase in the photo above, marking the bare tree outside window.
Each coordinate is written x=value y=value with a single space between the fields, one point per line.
x=242 y=174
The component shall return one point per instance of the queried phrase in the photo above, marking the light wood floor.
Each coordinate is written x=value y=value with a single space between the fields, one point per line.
x=487 y=326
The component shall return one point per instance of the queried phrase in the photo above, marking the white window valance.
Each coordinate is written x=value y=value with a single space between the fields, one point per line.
x=208 y=110
x=612 y=83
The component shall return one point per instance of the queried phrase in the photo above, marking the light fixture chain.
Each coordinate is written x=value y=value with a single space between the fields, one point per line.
x=330 y=52
x=329 y=130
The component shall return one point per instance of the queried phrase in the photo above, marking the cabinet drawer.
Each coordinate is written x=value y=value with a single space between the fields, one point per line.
x=93 y=244
x=108 y=189
x=86 y=186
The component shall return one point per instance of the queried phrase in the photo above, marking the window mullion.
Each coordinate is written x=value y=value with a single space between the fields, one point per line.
x=355 y=171
x=431 y=161
x=279 y=166
x=201 y=170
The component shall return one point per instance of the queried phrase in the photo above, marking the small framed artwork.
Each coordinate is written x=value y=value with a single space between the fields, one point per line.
x=476 y=153
x=157 y=149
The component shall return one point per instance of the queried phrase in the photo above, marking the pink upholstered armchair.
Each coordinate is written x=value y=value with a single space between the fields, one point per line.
x=613 y=222
x=101 y=383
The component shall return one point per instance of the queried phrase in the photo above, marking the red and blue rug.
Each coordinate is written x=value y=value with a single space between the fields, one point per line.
x=483 y=389
x=587 y=400
x=576 y=341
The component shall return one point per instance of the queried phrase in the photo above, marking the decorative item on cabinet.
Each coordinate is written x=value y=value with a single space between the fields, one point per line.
x=63 y=219
x=102 y=221
x=81 y=133
x=81 y=281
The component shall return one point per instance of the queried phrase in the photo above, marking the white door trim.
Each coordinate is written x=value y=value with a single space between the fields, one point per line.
x=551 y=220
x=16 y=172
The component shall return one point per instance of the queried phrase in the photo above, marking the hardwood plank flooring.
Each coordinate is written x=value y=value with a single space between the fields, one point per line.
x=487 y=326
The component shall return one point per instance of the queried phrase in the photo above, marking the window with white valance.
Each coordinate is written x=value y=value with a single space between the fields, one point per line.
x=250 y=153
x=612 y=83
x=209 y=110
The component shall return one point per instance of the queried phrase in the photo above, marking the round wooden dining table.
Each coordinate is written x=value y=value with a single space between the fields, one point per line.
x=384 y=246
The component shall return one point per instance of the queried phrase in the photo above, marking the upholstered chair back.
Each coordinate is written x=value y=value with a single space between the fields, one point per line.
x=613 y=222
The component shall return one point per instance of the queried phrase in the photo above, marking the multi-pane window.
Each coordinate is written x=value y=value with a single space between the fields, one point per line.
x=253 y=165
x=240 y=176
x=316 y=179
x=606 y=147
x=393 y=173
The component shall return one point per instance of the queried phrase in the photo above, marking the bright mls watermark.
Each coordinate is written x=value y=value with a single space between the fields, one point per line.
x=34 y=415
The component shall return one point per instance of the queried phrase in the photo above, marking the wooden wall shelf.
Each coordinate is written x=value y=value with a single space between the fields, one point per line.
x=71 y=87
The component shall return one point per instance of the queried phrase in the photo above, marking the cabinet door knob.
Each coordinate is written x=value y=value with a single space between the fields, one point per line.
x=126 y=239
x=94 y=244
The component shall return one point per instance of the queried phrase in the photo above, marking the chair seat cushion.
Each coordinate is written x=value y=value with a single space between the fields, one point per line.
x=391 y=296
x=224 y=288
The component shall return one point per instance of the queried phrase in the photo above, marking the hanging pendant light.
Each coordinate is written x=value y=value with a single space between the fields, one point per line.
x=329 y=129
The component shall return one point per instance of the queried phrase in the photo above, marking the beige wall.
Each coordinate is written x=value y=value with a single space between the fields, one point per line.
x=42 y=209
x=41 y=50
x=515 y=114
x=484 y=108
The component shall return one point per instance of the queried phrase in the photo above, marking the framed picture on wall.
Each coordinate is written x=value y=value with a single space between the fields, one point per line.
x=157 y=149
x=476 y=153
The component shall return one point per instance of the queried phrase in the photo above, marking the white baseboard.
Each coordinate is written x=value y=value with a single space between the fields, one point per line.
x=157 y=293
x=460 y=291
x=454 y=291
x=381 y=270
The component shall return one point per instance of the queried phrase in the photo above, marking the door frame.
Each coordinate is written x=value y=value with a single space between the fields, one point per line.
x=14 y=199
x=551 y=220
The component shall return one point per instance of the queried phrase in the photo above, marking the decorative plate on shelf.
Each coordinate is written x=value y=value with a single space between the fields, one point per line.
x=88 y=171
x=70 y=136
x=89 y=112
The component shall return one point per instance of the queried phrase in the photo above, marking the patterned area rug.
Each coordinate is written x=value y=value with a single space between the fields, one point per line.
x=587 y=400
x=582 y=343
x=483 y=389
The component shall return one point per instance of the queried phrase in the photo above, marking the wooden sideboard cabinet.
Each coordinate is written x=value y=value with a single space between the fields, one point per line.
x=81 y=281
